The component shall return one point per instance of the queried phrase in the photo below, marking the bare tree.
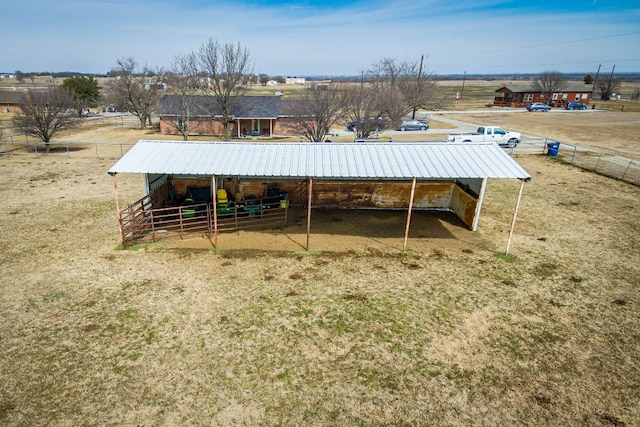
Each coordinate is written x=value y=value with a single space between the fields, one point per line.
x=313 y=114
x=635 y=95
x=136 y=90
x=45 y=112
x=185 y=82
x=365 y=109
x=420 y=88
x=227 y=68
x=406 y=87
x=548 y=83
x=607 y=87
x=384 y=79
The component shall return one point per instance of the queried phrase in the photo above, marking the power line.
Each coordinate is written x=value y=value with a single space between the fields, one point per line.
x=547 y=64
x=548 y=44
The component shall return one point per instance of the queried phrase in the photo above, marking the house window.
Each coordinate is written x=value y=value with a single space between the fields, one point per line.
x=585 y=95
x=528 y=97
x=577 y=97
x=555 y=97
x=542 y=96
x=564 y=96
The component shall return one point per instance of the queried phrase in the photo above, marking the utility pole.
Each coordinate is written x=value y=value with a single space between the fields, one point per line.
x=595 y=80
x=609 y=88
x=413 y=113
x=611 y=76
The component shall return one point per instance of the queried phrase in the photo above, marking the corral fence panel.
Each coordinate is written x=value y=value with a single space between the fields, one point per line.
x=142 y=222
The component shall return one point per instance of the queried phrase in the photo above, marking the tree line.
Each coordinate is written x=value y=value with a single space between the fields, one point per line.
x=223 y=72
x=386 y=92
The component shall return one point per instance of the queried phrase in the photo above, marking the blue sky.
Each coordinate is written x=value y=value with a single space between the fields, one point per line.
x=296 y=38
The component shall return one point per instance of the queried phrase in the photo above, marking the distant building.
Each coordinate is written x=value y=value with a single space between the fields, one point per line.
x=521 y=96
x=294 y=81
x=10 y=100
x=253 y=116
x=162 y=86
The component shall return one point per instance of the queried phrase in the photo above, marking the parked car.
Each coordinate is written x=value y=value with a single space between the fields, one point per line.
x=364 y=123
x=575 y=106
x=538 y=106
x=413 y=125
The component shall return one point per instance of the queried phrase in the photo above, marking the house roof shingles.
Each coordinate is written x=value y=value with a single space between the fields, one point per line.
x=11 y=97
x=244 y=107
x=531 y=89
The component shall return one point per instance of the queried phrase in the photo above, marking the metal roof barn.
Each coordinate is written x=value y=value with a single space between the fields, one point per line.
x=460 y=162
x=335 y=161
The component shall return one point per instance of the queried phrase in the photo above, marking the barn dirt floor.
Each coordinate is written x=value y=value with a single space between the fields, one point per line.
x=342 y=230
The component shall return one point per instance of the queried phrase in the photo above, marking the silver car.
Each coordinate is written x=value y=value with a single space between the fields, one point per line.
x=413 y=125
x=538 y=106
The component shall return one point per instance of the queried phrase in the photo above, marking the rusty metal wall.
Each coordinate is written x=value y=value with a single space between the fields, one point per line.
x=463 y=205
x=386 y=195
x=360 y=194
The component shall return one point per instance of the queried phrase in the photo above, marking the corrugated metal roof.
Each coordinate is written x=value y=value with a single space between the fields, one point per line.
x=395 y=161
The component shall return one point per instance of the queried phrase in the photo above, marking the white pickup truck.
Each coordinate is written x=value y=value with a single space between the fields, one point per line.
x=488 y=133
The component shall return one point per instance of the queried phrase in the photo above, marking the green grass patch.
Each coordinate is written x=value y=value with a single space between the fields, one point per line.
x=506 y=257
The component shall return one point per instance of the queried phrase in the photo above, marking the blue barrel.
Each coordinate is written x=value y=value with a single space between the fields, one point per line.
x=553 y=148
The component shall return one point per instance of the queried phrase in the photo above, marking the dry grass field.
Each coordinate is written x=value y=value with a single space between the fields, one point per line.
x=353 y=332
x=607 y=131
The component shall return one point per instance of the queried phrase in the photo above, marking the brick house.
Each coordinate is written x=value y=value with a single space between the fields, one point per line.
x=521 y=96
x=10 y=101
x=253 y=116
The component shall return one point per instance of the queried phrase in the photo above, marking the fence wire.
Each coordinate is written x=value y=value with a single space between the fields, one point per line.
x=98 y=150
x=608 y=164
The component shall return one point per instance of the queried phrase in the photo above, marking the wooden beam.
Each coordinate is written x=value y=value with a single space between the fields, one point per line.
x=476 y=217
x=515 y=214
x=214 y=194
x=118 y=213
x=406 y=229
x=310 y=193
